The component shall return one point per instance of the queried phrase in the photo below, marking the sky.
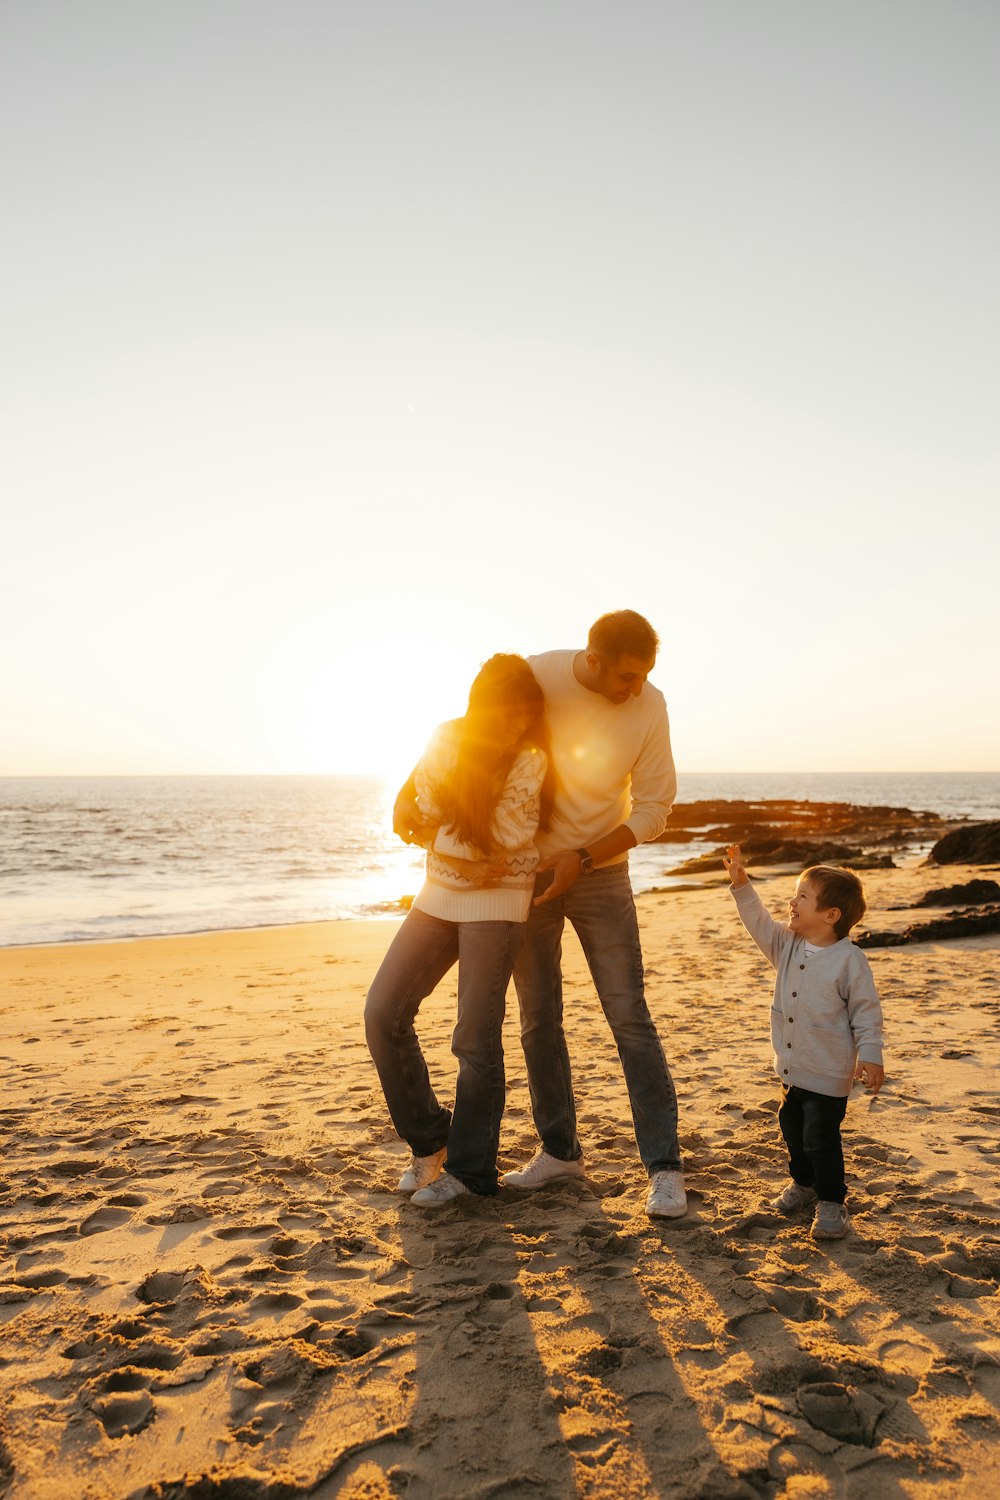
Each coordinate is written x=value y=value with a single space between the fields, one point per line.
x=346 y=342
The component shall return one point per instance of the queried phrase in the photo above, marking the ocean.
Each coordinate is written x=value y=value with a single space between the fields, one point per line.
x=98 y=857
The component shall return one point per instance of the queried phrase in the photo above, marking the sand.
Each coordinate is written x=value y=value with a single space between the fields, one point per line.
x=210 y=1288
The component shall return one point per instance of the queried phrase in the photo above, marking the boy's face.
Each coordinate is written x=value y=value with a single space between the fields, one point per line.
x=807 y=919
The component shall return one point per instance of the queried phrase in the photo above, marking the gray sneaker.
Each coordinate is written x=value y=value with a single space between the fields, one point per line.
x=793 y=1198
x=442 y=1190
x=541 y=1170
x=832 y=1221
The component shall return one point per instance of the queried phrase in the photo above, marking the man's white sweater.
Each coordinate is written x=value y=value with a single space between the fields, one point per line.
x=612 y=761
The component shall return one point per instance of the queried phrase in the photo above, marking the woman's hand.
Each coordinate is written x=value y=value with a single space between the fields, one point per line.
x=408 y=822
x=482 y=872
x=733 y=861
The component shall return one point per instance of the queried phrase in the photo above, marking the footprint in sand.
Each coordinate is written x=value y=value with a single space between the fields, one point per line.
x=800 y=1307
x=289 y=1252
x=223 y=1190
x=265 y=1421
x=146 y=1354
x=104 y=1219
x=343 y=1341
x=266 y=1272
x=279 y=1375
x=968 y=1290
x=276 y=1302
x=907 y=1362
x=754 y=1327
x=123 y=1415
x=163 y=1287
x=842 y=1412
x=126 y=1379
x=74 y=1166
x=40 y=1280
x=152 y=1355
x=246 y=1231
x=600 y=1361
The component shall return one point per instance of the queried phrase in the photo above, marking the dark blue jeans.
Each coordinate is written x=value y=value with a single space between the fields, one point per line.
x=810 y=1124
x=601 y=909
x=421 y=953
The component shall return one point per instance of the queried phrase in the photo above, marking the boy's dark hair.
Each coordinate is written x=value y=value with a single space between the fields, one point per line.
x=838 y=887
x=623 y=633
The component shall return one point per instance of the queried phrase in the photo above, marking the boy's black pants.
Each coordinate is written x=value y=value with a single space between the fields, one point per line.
x=810 y=1124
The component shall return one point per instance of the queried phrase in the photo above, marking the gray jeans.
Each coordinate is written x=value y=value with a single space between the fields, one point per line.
x=601 y=909
x=421 y=953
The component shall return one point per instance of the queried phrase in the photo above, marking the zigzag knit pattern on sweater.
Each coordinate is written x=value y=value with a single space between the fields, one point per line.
x=514 y=824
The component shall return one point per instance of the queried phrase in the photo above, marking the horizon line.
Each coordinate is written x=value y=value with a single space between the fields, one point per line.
x=233 y=775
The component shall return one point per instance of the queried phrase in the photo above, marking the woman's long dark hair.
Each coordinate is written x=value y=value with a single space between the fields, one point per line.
x=504 y=685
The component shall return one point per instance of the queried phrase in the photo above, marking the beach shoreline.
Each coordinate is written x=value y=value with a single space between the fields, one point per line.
x=88 y=860
x=211 y=1288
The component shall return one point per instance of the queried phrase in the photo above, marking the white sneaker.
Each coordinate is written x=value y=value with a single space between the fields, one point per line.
x=422 y=1171
x=667 y=1198
x=543 y=1169
x=440 y=1192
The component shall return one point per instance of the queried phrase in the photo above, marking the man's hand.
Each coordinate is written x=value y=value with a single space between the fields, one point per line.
x=733 y=861
x=872 y=1075
x=566 y=867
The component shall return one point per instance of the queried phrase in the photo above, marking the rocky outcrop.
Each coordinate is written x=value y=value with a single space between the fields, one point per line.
x=777 y=851
x=972 y=893
x=972 y=844
x=955 y=925
x=734 y=821
x=784 y=831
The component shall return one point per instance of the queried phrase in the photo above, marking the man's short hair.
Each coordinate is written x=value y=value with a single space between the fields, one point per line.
x=623 y=633
x=835 y=886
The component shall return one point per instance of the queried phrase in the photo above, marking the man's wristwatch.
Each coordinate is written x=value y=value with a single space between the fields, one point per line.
x=586 y=861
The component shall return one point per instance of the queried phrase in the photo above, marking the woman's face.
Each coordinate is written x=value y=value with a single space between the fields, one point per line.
x=512 y=722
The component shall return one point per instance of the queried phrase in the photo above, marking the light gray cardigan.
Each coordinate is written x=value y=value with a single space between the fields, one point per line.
x=826 y=1015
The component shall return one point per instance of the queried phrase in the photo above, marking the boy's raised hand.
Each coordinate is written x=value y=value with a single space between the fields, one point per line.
x=733 y=861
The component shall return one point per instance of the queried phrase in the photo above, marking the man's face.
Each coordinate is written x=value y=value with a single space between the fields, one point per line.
x=620 y=680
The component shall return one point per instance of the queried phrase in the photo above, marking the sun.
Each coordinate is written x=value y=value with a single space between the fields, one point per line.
x=372 y=711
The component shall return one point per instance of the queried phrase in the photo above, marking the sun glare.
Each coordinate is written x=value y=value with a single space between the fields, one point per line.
x=375 y=717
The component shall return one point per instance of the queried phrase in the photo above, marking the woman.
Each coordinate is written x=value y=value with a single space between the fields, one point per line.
x=482 y=790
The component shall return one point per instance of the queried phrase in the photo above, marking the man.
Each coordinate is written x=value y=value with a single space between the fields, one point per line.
x=615 y=785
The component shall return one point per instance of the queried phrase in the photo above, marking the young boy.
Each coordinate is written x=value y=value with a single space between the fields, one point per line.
x=826 y=1028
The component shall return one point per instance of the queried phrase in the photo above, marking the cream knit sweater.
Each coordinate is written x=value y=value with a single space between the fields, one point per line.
x=447 y=894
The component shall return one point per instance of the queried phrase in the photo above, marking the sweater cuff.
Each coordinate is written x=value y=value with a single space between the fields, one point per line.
x=646 y=825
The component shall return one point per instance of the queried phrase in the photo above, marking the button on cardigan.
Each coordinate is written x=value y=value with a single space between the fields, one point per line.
x=831 y=1020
